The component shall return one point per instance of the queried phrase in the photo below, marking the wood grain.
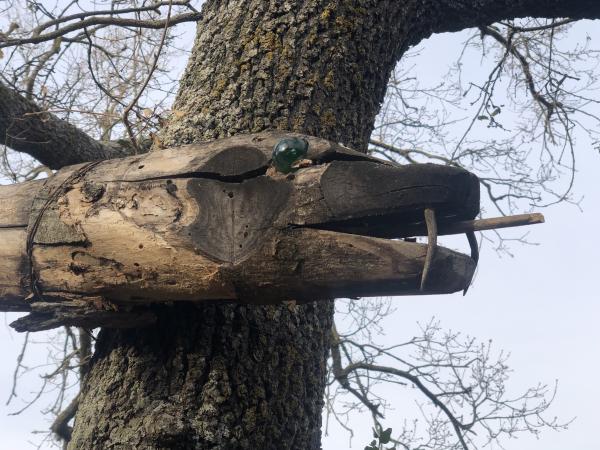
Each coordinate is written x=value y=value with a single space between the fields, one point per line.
x=212 y=222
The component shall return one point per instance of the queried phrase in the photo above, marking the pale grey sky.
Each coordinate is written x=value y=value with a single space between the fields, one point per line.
x=541 y=306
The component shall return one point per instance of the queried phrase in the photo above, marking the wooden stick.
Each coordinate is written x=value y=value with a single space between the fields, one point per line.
x=491 y=224
x=432 y=235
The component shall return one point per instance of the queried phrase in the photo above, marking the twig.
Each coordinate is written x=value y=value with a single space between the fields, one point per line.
x=467 y=226
x=148 y=78
x=60 y=426
x=108 y=12
x=123 y=22
x=13 y=392
x=491 y=223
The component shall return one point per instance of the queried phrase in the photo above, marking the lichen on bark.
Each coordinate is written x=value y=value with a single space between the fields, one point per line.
x=217 y=376
x=234 y=376
x=213 y=376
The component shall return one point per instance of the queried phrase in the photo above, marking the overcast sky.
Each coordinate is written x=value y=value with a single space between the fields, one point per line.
x=541 y=306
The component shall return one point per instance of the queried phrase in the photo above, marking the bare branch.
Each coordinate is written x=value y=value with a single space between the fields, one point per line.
x=60 y=426
x=461 y=14
x=151 y=70
x=54 y=142
x=93 y=21
x=459 y=378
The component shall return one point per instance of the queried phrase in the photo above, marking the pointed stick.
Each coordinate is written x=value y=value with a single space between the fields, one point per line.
x=466 y=226
x=491 y=223
x=431 y=244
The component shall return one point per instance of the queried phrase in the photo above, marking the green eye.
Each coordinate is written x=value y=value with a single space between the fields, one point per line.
x=287 y=152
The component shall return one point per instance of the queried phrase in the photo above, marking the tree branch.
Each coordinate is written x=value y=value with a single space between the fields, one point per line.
x=26 y=128
x=155 y=6
x=456 y=15
x=459 y=427
x=102 y=20
x=549 y=106
x=61 y=425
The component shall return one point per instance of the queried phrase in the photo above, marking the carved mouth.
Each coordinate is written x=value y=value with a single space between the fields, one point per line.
x=370 y=205
x=438 y=269
x=386 y=201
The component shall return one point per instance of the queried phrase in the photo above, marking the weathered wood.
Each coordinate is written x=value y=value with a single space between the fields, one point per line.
x=384 y=198
x=354 y=188
x=15 y=203
x=210 y=222
x=13 y=270
x=492 y=223
x=85 y=312
x=234 y=216
x=418 y=228
x=231 y=159
x=306 y=264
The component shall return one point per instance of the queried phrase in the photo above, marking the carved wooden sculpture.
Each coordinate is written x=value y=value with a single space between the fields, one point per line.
x=96 y=243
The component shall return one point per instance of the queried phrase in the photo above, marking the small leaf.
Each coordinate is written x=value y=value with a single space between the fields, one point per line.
x=482 y=117
x=496 y=111
x=386 y=436
x=147 y=112
x=1 y=54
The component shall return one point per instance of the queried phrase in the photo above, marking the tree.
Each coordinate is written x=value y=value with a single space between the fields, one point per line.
x=232 y=376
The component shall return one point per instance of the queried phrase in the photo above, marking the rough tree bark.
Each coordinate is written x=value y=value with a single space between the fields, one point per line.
x=26 y=127
x=228 y=377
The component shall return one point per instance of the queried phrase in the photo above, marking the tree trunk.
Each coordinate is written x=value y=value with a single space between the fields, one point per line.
x=233 y=376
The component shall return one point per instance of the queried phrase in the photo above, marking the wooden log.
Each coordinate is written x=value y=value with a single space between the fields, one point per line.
x=15 y=207
x=13 y=270
x=307 y=264
x=96 y=243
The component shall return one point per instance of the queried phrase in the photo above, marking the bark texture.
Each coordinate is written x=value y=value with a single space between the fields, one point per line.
x=455 y=15
x=319 y=67
x=229 y=377
x=306 y=66
x=213 y=377
x=27 y=128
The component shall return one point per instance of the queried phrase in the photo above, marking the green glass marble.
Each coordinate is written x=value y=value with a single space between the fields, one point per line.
x=287 y=152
